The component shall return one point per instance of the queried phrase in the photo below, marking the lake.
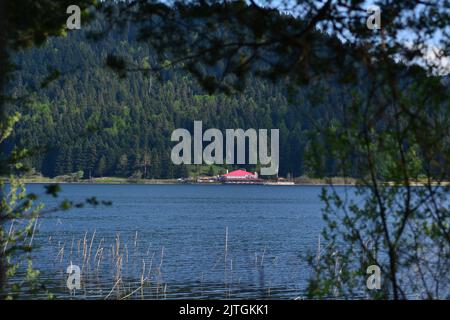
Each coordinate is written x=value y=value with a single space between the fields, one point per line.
x=181 y=241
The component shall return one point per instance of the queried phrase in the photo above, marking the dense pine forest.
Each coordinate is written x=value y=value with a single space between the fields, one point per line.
x=91 y=122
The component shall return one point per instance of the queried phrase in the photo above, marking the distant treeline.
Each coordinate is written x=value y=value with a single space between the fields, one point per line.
x=89 y=120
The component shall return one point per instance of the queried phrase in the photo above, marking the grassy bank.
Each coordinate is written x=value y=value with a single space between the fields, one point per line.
x=102 y=180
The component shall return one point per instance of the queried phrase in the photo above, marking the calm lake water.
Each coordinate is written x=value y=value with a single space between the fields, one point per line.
x=181 y=241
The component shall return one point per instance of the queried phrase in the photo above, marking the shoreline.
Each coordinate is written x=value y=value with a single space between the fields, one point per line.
x=125 y=181
x=337 y=181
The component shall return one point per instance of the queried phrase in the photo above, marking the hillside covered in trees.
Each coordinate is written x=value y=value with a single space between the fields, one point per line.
x=90 y=120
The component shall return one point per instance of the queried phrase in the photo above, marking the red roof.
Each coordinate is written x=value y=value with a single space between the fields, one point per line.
x=238 y=173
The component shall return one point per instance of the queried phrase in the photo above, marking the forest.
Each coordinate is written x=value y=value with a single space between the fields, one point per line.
x=91 y=122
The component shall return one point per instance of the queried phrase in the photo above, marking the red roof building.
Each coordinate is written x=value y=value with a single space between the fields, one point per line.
x=239 y=175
